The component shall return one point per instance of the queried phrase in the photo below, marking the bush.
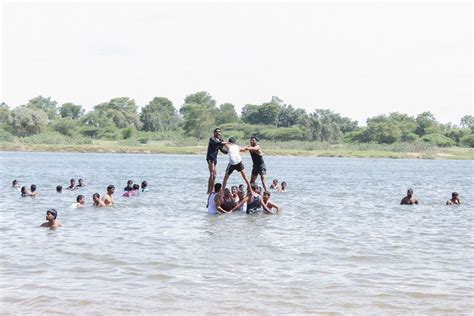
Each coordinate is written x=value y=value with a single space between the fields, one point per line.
x=468 y=140
x=5 y=136
x=128 y=132
x=438 y=140
x=283 y=134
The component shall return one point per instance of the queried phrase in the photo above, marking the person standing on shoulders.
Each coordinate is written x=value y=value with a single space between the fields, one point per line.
x=215 y=144
x=258 y=167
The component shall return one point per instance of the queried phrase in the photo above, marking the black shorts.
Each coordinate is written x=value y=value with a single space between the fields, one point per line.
x=259 y=170
x=230 y=168
x=211 y=160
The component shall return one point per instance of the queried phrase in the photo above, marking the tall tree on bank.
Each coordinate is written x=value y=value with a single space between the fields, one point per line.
x=25 y=121
x=199 y=114
x=45 y=104
x=71 y=110
x=159 y=115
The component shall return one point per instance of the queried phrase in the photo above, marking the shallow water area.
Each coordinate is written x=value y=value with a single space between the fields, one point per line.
x=341 y=245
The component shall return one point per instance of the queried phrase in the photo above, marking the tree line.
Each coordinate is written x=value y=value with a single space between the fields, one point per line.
x=121 y=118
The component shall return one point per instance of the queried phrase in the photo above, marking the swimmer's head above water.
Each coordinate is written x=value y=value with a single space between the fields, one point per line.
x=52 y=212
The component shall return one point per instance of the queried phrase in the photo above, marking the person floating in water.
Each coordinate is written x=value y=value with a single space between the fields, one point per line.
x=16 y=184
x=133 y=192
x=129 y=186
x=258 y=167
x=59 y=189
x=454 y=199
x=275 y=185
x=97 y=202
x=52 y=222
x=269 y=204
x=81 y=183
x=284 y=187
x=254 y=201
x=80 y=201
x=107 y=198
x=409 y=199
x=24 y=192
x=72 y=185
x=144 y=186
x=33 y=191
x=214 y=199
x=215 y=144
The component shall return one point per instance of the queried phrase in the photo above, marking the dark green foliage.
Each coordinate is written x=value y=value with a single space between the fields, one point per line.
x=66 y=126
x=159 y=115
x=468 y=140
x=25 y=121
x=226 y=114
x=45 y=104
x=439 y=140
x=71 y=110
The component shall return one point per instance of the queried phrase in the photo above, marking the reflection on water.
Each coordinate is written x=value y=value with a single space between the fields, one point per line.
x=341 y=245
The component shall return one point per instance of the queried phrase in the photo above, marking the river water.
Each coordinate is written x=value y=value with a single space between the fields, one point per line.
x=341 y=245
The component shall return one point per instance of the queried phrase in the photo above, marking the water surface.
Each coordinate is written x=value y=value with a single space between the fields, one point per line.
x=342 y=244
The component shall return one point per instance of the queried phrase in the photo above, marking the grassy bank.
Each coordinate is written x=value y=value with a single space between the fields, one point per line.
x=194 y=147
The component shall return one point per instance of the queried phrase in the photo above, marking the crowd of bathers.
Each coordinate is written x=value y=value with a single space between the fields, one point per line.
x=224 y=200
x=130 y=190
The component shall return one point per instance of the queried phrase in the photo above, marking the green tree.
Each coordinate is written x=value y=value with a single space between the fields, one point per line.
x=45 y=104
x=327 y=126
x=159 y=115
x=71 y=110
x=226 y=114
x=122 y=111
x=66 y=126
x=289 y=116
x=199 y=120
x=26 y=121
x=4 y=115
x=250 y=114
x=467 y=121
x=201 y=97
x=427 y=124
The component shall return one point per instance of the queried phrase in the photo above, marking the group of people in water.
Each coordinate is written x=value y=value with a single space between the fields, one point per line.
x=221 y=199
x=410 y=199
x=130 y=190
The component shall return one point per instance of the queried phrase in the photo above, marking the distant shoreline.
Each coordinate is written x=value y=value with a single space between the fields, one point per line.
x=450 y=153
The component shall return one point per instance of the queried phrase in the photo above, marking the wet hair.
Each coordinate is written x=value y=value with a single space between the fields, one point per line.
x=217 y=187
x=217 y=129
x=136 y=187
x=23 y=190
x=144 y=184
x=53 y=212
x=410 y=191
x=284 y=183
x=227 y=191
x=234 y=187
x=266 y=193
x=255 y=137
x=14 y=182
x=80 y=180
x=454 y=194
x=110 y=187
x=254 y=186
x=232 y=140
x=241 y=186
x=33 y=187
x=96 y=195
x=275 y=180
x=72 y=180
x=129 y=182
x=59 y=188
x=80 y=196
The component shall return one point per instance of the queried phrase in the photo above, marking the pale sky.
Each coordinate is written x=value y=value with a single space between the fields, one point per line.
x=357 y=59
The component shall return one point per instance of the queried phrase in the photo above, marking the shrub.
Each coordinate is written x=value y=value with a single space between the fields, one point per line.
x=468 y=140
x=438 y=140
